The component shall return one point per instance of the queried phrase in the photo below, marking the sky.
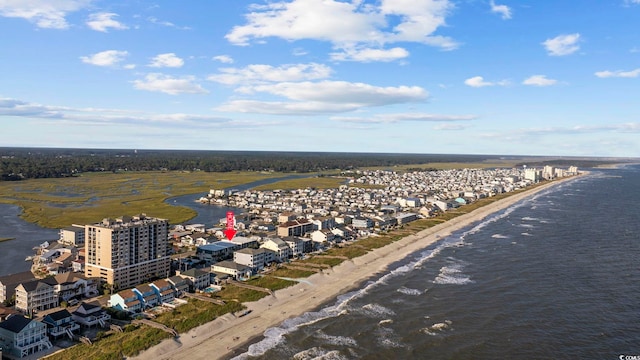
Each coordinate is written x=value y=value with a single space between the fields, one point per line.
x=500 y=77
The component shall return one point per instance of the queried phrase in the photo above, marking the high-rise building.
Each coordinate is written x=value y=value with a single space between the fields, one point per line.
x=128 y=250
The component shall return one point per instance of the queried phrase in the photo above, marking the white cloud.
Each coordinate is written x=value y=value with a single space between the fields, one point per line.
x=166 y=60
x=94 y=116
x=450 y=127
x=348 y=25
x=226 y=59
x=105 y=58
x=260 y=73
x=401 y=117
x=562 y=44
x=44 y=13
x=103 y=21
x=343 y=92
x=539 y=80
x=155 y=21
x=618 y=73
x=323 y=97
x=503 y=10
x=478 y=81
x=368 y=55
x=169 y=85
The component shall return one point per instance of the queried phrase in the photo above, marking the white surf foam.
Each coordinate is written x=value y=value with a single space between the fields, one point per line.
x=437 y=328
x=318 y=353
x=409 y=291
x=376 y=310
x=499 y=236
x=336 y=340
x=451 y=274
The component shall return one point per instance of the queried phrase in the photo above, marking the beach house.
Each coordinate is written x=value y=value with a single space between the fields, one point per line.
x=20 y=336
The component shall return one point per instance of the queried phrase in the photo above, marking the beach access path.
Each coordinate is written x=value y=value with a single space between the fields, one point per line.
x=228 y=335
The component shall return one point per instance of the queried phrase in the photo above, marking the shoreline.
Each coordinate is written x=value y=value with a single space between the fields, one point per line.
x=229 y=336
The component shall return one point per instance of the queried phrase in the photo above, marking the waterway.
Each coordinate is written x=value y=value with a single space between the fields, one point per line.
x=26 y=235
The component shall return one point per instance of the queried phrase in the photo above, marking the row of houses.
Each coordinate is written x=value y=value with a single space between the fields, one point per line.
x=32 y=295
x=21 y=336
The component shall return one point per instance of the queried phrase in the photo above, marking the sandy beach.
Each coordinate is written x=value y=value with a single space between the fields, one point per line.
x=229 y=335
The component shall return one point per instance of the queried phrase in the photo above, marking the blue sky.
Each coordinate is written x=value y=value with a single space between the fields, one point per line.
x=410 y=76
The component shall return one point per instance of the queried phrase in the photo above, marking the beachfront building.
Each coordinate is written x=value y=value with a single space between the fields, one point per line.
x=217 y=251
x=279 y=247
x=36 y=295
x=126 y=300
x=60 y=323
x=163 y=290
x=90 y=315
x=237 y=271
x=197 y=279
x=127 y=251
x=20 y=337
x=256 y=259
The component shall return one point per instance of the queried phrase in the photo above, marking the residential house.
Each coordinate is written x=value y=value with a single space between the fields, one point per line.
x=277 y=245
x=147 y=295
x=217 y=251
x=60 y=323
x=237 y=271
x=179 y=284
x=91 y=314
x=126 y=300
x=36 y=295
x=297 y=227
x=8 y=284
x=404 y=218
x=256 y=259
x=296 y=244
x=163 y=290
x=362 y=223
x=198 y=279
x=73 y=285
x=323 y=236
x=20 y=337
x=241 y=242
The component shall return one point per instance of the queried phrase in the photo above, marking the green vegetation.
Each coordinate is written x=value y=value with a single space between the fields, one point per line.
x=241 y=295
x=291 y=273
x=270 y=282
x=57 y=203
x=114 y=346
x=195 y=313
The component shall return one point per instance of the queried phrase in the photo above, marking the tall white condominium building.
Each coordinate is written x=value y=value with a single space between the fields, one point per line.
x=127 y=251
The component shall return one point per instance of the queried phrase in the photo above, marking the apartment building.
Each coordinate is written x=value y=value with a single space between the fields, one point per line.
x=128 y=250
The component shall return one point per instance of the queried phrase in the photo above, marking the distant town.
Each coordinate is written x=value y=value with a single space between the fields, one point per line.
x=100 y=276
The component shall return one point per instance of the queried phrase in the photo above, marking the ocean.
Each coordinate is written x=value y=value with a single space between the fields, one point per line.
x=555 y=276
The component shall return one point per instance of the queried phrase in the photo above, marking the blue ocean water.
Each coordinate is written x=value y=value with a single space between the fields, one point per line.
x=554 y=276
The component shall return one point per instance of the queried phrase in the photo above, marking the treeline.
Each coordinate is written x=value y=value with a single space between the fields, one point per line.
x=32 y=163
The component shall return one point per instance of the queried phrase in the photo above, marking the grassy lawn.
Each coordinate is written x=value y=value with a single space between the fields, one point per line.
x=320 y=260
x=57 y=203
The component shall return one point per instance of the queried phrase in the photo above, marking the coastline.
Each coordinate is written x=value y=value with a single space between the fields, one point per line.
x=228 y=335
